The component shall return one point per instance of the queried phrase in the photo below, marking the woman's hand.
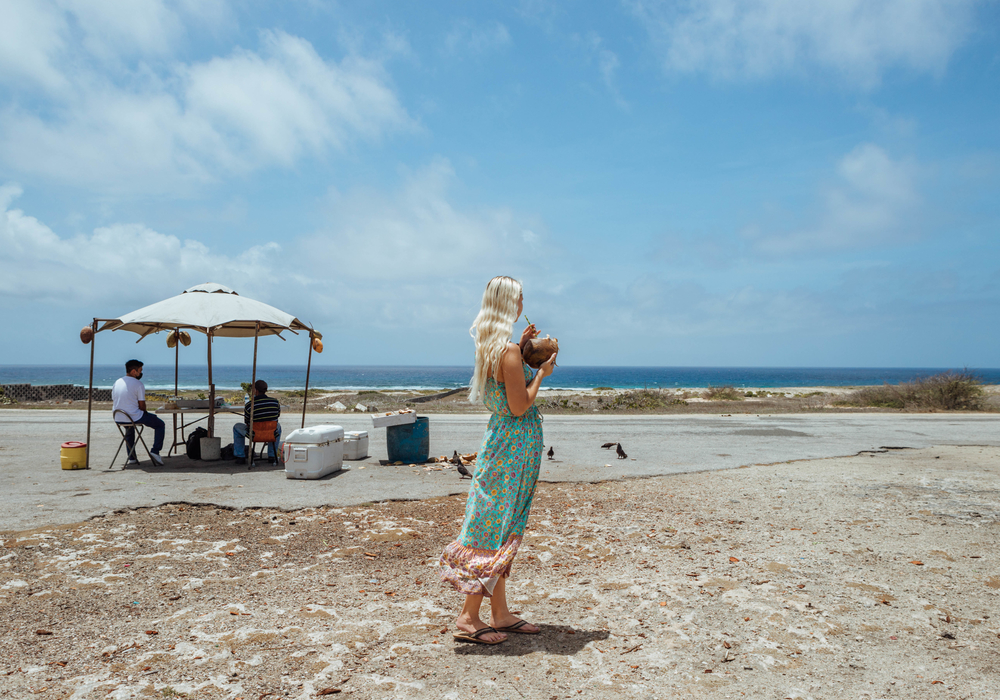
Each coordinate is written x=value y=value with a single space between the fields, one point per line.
x=529 y=334
x=547 y=366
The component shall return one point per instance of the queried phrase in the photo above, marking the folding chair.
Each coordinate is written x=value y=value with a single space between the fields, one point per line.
x=264 y=432
x=123 y=428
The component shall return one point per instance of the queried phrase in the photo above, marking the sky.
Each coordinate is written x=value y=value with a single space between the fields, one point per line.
x=675 y=183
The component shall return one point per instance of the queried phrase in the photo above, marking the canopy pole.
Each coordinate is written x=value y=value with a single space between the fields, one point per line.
x=90 y=393
x=253 y=391
x=177 y=360
x=211 y=389
x=308 y=368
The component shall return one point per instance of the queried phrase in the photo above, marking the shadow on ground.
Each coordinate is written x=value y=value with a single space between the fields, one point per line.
x=553 y=639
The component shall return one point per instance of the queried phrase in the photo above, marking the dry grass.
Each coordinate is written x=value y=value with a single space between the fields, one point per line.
x=948 y=391
x=640 y=399
x=722 y=393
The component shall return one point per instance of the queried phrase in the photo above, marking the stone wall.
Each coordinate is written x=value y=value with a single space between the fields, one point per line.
x=27 y=392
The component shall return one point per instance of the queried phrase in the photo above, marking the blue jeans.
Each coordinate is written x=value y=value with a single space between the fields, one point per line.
x=240 y=444
x=159 y=429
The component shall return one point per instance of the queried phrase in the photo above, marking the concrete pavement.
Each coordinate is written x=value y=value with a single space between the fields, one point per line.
x=35 y=491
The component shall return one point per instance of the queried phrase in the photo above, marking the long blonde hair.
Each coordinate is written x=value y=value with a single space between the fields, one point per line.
x=492 y=329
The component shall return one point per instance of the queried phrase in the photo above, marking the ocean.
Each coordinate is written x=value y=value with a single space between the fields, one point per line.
x=290 y=377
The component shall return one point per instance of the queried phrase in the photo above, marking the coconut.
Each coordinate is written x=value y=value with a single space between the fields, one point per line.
x=317 y=345
x=538 y=350
x=86 y=334
x=172 y=340
x=185 y=338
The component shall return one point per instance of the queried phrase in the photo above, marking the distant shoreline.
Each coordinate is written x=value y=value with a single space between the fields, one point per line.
x=228 y=378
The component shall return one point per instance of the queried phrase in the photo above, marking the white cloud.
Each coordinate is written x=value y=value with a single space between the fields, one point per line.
x=856 y=39
x=406 y=259
x=874 y=202
x=31 y=39
x=607 y=65
x=190 y=123
x=465 y=37
x=127 y=262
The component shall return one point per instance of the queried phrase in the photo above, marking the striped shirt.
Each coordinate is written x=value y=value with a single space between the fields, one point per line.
x=264 y=409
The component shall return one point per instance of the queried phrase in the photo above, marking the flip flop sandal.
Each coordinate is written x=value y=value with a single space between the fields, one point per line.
x=516 y=628
x=475 y=636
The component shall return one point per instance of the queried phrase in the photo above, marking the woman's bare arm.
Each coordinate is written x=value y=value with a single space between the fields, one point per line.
x=519 y=396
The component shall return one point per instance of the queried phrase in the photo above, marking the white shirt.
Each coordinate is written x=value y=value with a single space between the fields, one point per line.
x=126 y=395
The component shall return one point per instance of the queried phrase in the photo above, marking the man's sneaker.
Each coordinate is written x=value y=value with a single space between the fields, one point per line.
x=241 y=460
x=157 y=460
x=131 y=461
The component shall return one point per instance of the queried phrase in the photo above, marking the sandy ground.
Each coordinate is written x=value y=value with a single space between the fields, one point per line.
x=873 y=576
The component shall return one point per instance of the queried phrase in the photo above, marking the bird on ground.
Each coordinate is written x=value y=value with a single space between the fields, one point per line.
x=464 y=472
x=455 y=459
x=607 y=445
x=621 y=452
x=552 y=453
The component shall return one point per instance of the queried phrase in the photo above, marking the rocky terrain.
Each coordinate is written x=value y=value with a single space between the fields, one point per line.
x=873 y=576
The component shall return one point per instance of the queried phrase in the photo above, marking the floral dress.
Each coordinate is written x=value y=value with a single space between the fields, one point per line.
x=500 y=496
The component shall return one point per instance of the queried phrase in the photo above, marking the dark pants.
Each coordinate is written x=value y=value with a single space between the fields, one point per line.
x=159 y=430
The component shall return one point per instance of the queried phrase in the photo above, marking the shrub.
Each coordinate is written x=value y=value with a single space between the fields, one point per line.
x=640 y=399
x=722 y=393
x=948 y=391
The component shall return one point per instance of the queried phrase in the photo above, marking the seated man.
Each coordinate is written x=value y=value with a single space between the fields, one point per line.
x=264 y=409
x=129 y=395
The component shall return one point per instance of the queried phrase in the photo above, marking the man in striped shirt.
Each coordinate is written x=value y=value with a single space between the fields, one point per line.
x=265 y=408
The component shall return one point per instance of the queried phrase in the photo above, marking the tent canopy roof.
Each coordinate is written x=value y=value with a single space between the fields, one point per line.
x=209 y=308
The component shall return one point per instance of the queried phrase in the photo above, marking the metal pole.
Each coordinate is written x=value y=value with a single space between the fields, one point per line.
x=177 y=359
x=90 y=393
x=211 y=389
x=308 y=368
x=253 y=391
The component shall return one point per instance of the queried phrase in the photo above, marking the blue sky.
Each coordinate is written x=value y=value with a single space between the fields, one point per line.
x=725 y=182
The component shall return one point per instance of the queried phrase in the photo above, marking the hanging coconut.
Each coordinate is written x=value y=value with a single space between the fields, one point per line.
x=86 y=334
x=172 y=340
x=538 y=350
x=185 y=338
x=317 y=345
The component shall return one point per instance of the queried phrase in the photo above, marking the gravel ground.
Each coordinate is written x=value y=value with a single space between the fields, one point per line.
x=873 y=576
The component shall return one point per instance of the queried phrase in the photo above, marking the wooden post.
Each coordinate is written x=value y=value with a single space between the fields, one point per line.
x=211 y=389
x=90 y=393
x=253 y=393
x=308 y=368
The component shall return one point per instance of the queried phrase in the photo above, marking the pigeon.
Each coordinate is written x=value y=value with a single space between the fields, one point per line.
x=552 y=453
x=455 y=459
x=607 y=445
x=621 y=452
x=464 y=472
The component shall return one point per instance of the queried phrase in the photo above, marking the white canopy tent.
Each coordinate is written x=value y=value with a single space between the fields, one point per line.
x=216 y=311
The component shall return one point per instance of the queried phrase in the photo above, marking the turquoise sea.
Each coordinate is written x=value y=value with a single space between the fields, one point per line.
x=229 y=377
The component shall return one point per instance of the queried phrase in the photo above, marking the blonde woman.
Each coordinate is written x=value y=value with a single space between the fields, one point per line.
x=479 y=561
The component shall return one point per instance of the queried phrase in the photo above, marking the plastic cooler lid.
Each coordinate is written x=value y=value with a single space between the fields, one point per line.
x=73 y=445
x=315 y=435
x=355 y=434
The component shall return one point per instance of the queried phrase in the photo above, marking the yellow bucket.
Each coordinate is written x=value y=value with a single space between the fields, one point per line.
x=73 y=455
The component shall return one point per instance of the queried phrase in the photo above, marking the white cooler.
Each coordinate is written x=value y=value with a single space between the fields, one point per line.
x=313 y=452
x=355 y=444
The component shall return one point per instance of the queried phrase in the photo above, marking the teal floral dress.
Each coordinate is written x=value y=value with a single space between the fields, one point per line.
x=500 y=496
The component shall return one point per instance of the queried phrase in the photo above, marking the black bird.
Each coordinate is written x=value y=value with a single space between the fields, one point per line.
x=552 y=453
x=455 y=459
x=621 y=452
x=607 y=445
x=464 y=472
